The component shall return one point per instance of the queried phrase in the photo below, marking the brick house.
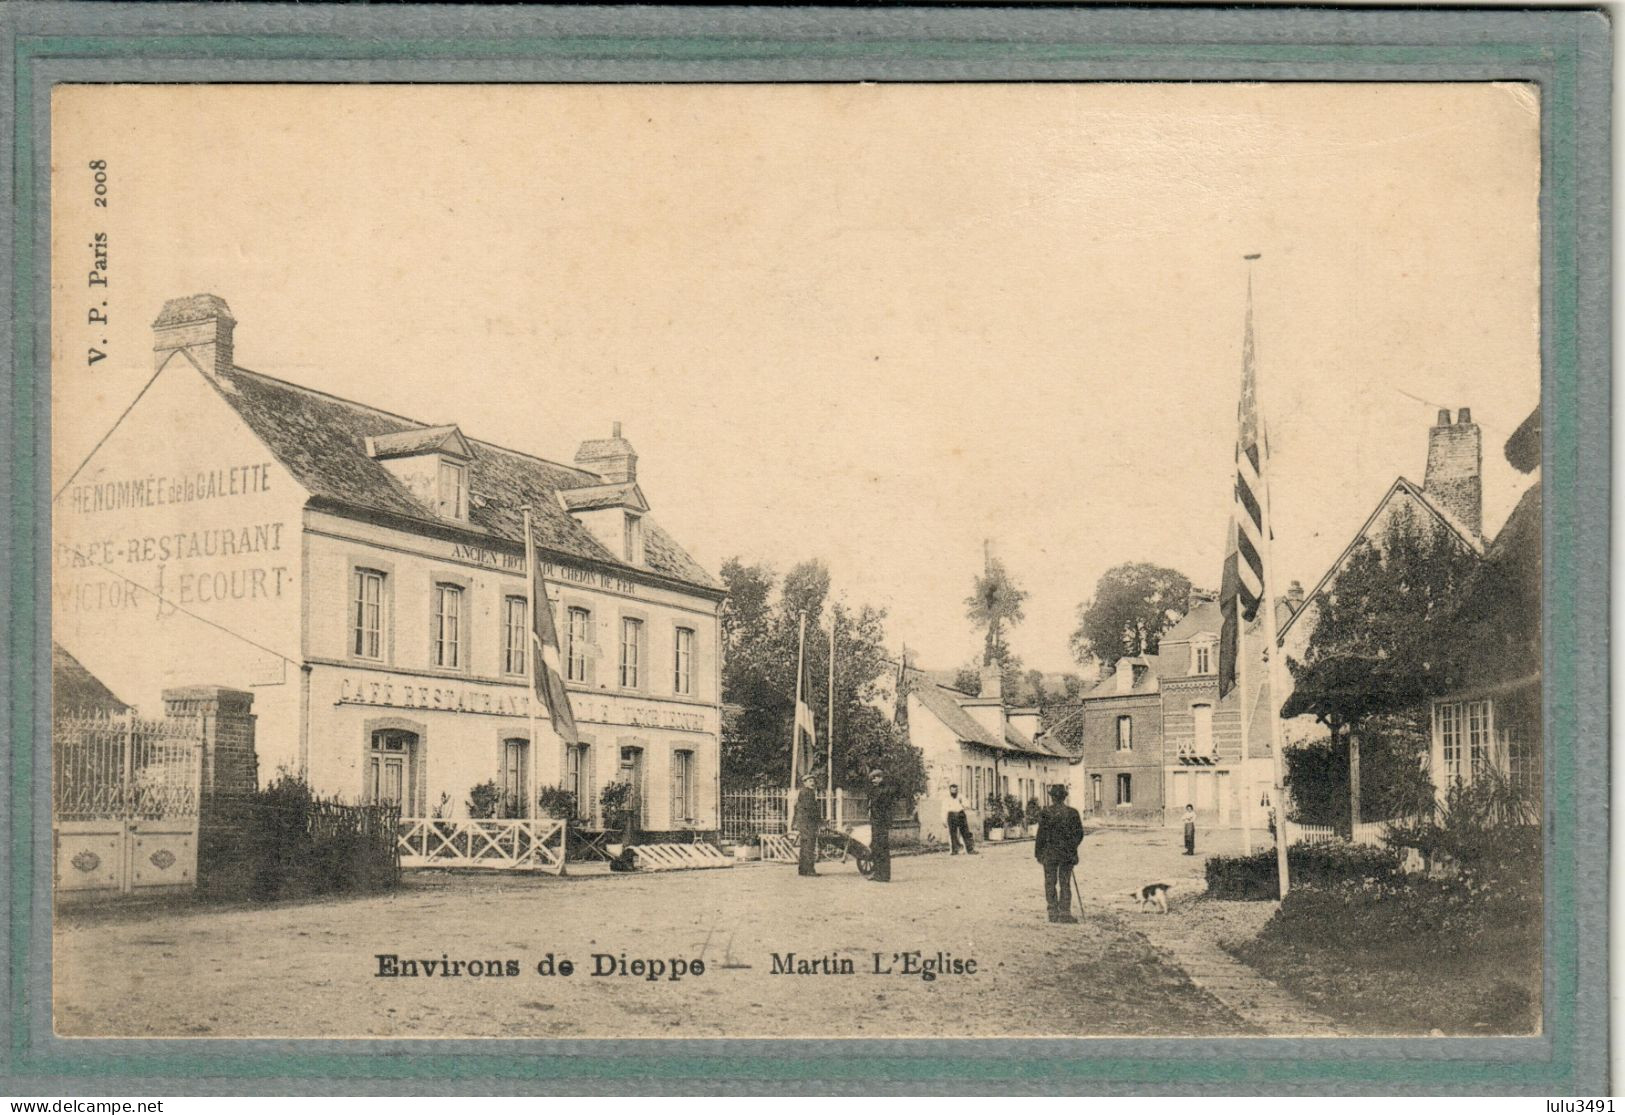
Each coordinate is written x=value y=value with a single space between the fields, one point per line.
x=362 y=575
x=1119 y=724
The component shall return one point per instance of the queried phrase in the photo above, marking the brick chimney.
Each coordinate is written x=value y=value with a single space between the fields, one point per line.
x=1454 y=479
x=612 y=458
x=202 y=325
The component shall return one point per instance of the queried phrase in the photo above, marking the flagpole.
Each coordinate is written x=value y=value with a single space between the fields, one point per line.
x=1248 y=805
x=532 y=654
x=829 y=727
x=795 y=722
x=1272 y=625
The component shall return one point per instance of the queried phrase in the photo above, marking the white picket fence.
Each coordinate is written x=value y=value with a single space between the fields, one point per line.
x=1368 y=833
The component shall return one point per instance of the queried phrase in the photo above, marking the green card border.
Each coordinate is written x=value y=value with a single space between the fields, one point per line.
x=1567 y=52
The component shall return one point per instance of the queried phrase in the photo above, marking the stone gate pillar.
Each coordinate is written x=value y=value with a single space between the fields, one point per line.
x=230 y=763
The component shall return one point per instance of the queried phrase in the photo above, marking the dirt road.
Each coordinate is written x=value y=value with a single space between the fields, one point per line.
x=312 y=969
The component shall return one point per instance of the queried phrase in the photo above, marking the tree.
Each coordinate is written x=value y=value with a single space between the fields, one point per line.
x=1393 y=773
x=995 y=602
x=1133 y=605
x=1378 y=648
x=759 y=635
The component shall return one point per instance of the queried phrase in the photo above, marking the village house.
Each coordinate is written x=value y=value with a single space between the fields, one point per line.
x=1156 y=736
x=1491 y=720
x=1450 y=498
x=361 y=575
x=983 y=747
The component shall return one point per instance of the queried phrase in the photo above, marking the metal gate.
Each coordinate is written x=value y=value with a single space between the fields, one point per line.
x=125 y=802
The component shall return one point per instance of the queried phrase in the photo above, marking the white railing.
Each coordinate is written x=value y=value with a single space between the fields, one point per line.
x=512 y=845
x=1310 y=834
x=1369 y=833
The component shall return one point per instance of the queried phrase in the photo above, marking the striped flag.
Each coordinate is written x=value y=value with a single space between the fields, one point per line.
x=547 y=667
x=1242 y=587
x=806 y=737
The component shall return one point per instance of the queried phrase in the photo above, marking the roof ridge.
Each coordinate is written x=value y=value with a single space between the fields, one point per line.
x=418 y=422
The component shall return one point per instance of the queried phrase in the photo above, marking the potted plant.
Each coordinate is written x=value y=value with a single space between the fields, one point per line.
x=556 y=802
x=749 y=847
x=1033 y=811
x=995 y=817
x=1015 y=820
x=616 y=802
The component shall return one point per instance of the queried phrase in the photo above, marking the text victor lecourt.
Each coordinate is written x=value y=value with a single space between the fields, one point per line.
x=926 y=966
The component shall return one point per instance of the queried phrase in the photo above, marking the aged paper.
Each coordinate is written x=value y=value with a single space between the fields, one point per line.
x=461 y=494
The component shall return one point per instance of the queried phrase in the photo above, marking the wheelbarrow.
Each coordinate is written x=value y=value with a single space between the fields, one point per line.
x=836 y=846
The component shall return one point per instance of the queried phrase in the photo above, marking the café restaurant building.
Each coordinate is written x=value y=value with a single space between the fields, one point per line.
x=362 y=575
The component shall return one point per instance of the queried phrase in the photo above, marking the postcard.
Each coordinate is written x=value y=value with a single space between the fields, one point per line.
x=827 y=560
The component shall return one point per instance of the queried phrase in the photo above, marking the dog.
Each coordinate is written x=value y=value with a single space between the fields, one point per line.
x=1152 y=894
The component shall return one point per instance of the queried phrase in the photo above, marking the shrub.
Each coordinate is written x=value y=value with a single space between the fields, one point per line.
x=1253 y=877
x=1488 y=832
x=556 y=801
x=284 y=842
x=1439 y=918
x=484 y=800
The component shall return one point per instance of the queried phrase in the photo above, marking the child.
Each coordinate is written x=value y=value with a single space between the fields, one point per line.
x=1190 y=830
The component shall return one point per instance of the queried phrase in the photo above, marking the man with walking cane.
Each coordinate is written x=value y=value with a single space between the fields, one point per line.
x=1060 y=831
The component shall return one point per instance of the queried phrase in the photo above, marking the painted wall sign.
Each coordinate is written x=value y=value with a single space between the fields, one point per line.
x=450 y=696
x=566 y=574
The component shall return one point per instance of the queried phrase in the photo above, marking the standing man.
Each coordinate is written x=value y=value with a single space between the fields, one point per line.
x=957 y=825
x=807 y=820
x=1190 y=829
x=1060 y=831
x=881 y=803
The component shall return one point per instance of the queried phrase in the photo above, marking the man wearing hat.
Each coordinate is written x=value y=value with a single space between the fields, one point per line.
x=1060 y=831
x=882 y=800
x=807 y=820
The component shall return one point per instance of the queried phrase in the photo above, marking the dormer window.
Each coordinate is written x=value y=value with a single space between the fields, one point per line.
x=431 y=463
x=1202 y=657
x=453 y=495
x=632 y=539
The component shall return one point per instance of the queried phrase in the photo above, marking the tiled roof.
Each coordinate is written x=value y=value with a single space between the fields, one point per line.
x=1204 y=619
x=430 y=439
x=1471 y=539
x=1146 y=684
x=321 y=439
x=946 y=705
x=604 y=496
x=1497 y=624
x=76 y=689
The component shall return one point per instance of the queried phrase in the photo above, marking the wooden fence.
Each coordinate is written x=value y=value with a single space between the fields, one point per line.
x=517 y=844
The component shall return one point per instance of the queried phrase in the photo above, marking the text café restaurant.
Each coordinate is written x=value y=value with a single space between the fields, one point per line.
x=362 y=575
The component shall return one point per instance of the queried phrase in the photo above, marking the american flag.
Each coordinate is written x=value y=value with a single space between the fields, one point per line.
x=547 y=669
x=1242 y=588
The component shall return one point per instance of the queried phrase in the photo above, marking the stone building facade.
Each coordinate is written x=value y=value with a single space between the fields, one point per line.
x=362 y=575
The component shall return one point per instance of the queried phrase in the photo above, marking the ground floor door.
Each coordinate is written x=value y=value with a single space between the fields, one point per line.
x=632 y=773
x=391 y=765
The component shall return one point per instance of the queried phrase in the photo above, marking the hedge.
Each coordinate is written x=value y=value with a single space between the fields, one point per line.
x=1253 y=877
